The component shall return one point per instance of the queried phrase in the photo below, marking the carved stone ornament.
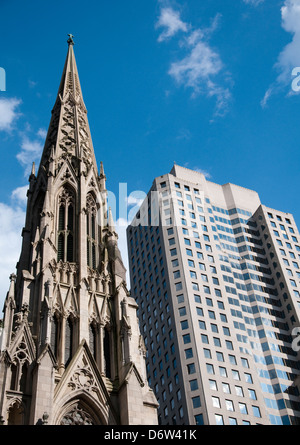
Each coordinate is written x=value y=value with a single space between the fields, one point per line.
x=83 y=378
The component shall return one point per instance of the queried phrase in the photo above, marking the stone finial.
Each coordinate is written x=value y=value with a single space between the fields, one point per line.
x=13 y=277
x=102 y=174
x=111 y=224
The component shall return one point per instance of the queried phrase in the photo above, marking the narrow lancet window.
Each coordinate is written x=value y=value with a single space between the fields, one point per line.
x=92 y=340
x=68 y=341
x=66 y=227
x=106 y=347
x=91 y=230
x=54 y=335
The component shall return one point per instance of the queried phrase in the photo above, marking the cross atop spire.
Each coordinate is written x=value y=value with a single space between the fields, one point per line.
x=70 y=39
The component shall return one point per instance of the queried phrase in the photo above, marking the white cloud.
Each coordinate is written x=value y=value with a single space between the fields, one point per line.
x=135 y=200
x=289 y=57
x=170 y=20
x=42 y=133
x=31 y=151
x=12 y=219
x=200 y=65
x=204 y=172
x=266 y=97
x=8 y=113
x=199 y=68
x=19 y=195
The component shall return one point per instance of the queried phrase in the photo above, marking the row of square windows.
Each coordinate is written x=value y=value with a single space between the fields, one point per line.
x=189 y=252
x=291 y=254
x=196 y=402
x=219 y=420
x=279 y=218
x=288 y=245
x=178 y=186
x=187 y=188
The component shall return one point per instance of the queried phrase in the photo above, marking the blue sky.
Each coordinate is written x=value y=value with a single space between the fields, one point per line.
x=207 y=84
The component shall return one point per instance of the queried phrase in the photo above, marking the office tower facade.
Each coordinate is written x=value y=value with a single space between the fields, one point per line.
x=216 y=276
x=71 y=352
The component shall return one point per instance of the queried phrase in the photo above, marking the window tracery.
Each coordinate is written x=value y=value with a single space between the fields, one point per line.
x=77 y=416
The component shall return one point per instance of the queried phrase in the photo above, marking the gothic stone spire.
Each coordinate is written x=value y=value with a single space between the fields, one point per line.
x=72 y=342
x=69 y=134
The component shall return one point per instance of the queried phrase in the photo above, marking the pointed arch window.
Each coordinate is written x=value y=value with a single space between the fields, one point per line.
x=91 y=230
x=66 y=226
x=24 y=377
x=107 y=355
x=92 y=339
x=54 y=335
x=14 y=377
x=68 y=340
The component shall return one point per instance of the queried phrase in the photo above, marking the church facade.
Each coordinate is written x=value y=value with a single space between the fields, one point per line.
x=71 y=352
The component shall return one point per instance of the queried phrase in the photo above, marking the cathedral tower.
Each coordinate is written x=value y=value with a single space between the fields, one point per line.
x=71 y=351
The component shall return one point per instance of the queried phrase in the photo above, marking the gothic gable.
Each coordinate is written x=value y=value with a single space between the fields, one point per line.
x=22 y=347
x=82 y=385
x=66 y=174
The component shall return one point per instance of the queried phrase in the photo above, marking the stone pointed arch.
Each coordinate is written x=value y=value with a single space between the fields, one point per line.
x=15 y=411
x=64 y=182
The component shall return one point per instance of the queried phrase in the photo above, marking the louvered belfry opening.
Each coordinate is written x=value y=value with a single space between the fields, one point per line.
x=91 y=231
x=66 y=226
x=54 y=335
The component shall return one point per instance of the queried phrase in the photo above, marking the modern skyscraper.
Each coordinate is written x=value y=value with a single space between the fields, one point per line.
x=216 y=276
x=71 y=352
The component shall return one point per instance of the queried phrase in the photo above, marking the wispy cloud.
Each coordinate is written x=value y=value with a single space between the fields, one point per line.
x=253 y=2
x=8 y=113
x=199 y=170
x=289 y=57
x=19 y=195
x=42 y=133
x=201 y=66
x=31 y=150
x=266 y=97
x=171 y=22
x=203 y=172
